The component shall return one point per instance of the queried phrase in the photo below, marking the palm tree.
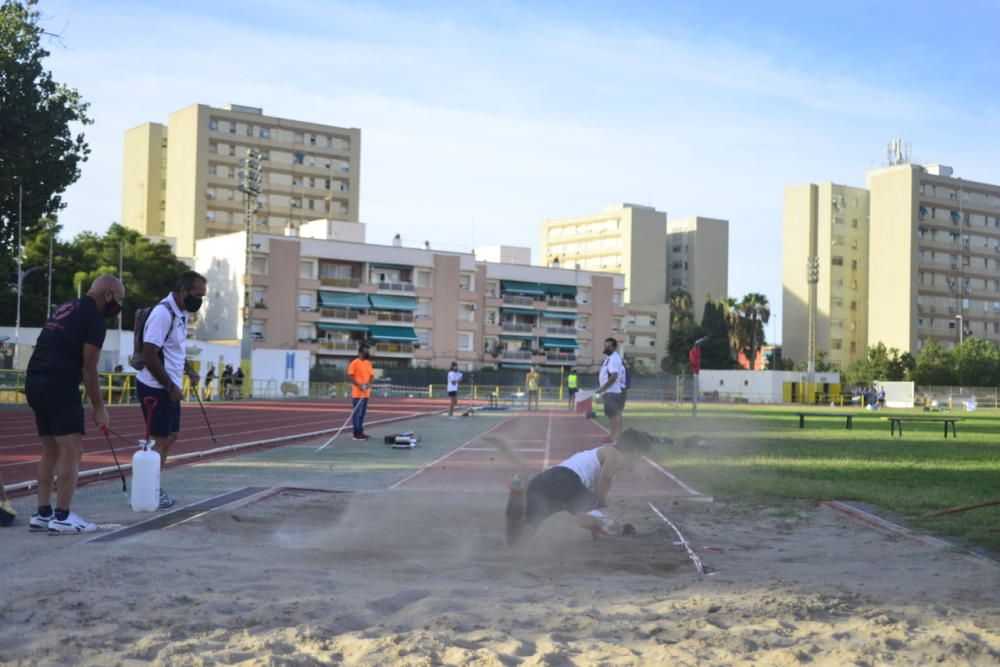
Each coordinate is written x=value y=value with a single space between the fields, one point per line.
x=731 y=313
x=680 y=307
x=755 y=312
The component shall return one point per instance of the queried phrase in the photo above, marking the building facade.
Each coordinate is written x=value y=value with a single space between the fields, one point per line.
x=830 y=221
x=314 y=290
x=181 y=180
x=698 y=260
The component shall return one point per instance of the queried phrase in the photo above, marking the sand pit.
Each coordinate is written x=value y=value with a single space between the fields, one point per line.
x=422 y=578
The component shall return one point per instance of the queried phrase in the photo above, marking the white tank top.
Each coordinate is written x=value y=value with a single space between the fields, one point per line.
x=586 y=465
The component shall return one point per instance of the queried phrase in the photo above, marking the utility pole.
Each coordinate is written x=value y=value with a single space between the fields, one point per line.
x=251 y=188
x=48 y=304
x=812 y=279
x=121 y=313
x=20 y=277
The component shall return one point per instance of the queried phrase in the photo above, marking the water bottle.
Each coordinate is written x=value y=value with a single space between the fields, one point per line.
x=146 y=478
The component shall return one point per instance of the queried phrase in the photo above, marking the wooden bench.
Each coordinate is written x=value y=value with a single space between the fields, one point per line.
x=895 y=422
x=850 y=417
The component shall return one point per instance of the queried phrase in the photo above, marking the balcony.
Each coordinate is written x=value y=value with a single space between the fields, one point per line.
x=351 y=283
x=339 y=346
x=516 y=327
x=392 y=316
x=339 y=313
x=566 y=331
x=560 y=357
x=395 y=287
x=394 y=348
x=518 y=300
x=560 y=303
x=515 y=355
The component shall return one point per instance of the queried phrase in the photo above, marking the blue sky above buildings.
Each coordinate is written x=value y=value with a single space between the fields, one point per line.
x=481 y=119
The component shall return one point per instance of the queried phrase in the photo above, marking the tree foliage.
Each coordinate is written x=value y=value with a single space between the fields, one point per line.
x=39 y=151
x=150 y=271
x=881 y=363
x=715 y=351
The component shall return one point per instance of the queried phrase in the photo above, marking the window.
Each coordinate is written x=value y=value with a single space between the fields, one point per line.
x=306 y=301
x=298 y=158
x=257 y=329
x=232 y=127
x=423 y=338
x=258 y=266
x=423 y=278
x=465 y=341
x=423 y=308
x=259 y=297
x=305 y=333
x=213 y=124
x=491 y=317
x=307 y=269
x=837 y=261
x=249 y=131
x=265 y=133
x=491 y=288
x=465 y=282
x=467 y=312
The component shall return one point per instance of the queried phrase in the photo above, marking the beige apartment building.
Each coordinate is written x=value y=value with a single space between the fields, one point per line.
x=321 y=288
x=935 y=257
x=655 y=256
x=181 y=180
x=832 y=220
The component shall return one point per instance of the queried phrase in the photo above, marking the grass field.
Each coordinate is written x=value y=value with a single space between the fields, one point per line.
x=760 y=452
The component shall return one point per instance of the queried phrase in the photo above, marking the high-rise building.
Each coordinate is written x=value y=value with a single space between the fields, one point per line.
x=181 y=179
x=935 y=257
x=830 y=222
x=322 y=288
x=656 y=257
x=913 y=257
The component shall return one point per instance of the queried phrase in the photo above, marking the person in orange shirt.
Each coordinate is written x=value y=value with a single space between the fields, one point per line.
x=360 y=374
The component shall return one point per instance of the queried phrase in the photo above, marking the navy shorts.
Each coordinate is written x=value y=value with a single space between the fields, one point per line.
x=166 y=414
x=614 y=403
x=557 y=489
x=453 y=393
x=57 y=403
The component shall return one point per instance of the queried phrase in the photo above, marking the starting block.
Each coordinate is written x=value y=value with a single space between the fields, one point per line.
x=407 y=440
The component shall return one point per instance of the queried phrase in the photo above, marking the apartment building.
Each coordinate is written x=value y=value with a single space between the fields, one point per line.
x=655 y=256
x=828 y=221
x=935 y=257
x=181 y=180
x=315 y=289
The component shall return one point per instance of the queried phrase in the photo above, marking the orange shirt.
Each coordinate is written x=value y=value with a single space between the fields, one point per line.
x=361 y=372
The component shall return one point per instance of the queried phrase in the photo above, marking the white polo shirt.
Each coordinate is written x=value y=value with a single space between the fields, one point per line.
x=172 y=341
x=454 y=377
x=612 y=364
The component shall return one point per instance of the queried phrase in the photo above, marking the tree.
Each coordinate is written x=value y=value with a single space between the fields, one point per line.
x=756 y=313
x=715 y=351
x=731 y=313
x=682 y=338
x=934 y=366
x=39 y=152
x=977 y=363
x=680 y=308
x=822 y=364
x=881 y=363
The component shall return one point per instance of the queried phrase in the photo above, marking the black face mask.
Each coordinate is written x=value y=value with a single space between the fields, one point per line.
x=192 y=303
x=365 y=355
x=111 y=308
x=608 y=351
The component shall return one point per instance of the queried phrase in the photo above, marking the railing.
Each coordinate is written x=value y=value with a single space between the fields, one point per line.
x=341 y=282
x=394 y=348
x=396 y=287
x=561 y=303
x=516 y=327
x=392 y=316
x=339 y=345
x=516 y=354
x=339 y=313
x=517 y=300
x=561 y=330
x=562 y=357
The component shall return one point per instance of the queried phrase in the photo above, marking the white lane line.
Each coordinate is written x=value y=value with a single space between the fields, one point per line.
x=493 y=449
x=442 y=458
x=673 y=477
x=548 y=443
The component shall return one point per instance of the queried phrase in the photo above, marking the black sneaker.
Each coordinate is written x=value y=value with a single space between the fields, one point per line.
x=166 y=501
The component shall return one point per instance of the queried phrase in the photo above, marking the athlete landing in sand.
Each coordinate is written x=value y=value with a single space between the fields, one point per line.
x=579 y=485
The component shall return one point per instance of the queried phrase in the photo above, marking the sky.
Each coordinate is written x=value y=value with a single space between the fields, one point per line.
x=481 y=119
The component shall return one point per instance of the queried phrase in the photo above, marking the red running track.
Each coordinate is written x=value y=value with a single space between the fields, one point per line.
x=232 y=422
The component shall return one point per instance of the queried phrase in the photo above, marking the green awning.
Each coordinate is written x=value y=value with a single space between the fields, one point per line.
x=403 y=334
x=396 y=267
x=518 y=311
x=565 y=343
x=386 y=302
x=333 y=326
x=560 y=316
x=565 y=290
x=343 y=300
x=516 y=335
x=518 y=287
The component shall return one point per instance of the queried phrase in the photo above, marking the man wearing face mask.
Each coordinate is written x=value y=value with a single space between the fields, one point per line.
x=67 y=352
x=360 y=374
x=612 y=378
x=164 y=337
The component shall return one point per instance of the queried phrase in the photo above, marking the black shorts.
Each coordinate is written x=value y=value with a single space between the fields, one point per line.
x=57 y=403
x=557 y=489
x=166 y=414
x=614 y=403
x=453 y=393
x=572 y=391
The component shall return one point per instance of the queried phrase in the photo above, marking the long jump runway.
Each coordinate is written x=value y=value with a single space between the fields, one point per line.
x=538 y=440
x=234 y=424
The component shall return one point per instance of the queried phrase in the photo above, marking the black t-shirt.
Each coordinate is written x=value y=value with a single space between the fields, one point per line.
x=59 y=350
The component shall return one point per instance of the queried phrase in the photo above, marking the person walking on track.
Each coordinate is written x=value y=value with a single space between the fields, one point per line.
x=579 y=485
x=611 y=387
x=572 y=385
x=454 y=377
x=531 y=385
x=67 y=352
x=164 y=336
x=360 y=374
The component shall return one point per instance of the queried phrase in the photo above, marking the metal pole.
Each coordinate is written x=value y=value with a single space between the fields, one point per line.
x=20 y=278
x=48 y=305
x=121 y=271
x=694 y=396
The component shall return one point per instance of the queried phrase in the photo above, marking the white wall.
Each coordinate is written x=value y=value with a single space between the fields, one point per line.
x=756 y=386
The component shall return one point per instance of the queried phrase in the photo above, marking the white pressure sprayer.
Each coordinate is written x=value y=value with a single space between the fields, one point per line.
x=146 y=468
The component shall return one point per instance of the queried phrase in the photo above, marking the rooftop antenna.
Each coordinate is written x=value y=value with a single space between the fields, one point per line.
x=897 y=152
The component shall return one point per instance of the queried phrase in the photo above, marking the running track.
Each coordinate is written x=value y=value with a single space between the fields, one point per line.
x=232 y=422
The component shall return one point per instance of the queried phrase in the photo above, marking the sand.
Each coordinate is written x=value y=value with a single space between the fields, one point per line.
x=422 y=578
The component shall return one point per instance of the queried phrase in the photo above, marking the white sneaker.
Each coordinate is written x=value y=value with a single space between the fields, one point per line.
x=72 y=525
x=39 y=523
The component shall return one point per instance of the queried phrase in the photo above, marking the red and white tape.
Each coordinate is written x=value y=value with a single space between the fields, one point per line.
x=687 y=547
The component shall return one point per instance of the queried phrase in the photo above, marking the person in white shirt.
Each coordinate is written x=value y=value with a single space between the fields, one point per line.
x=163 y=340
x=611 y=387
x=454 y=377
x=579 y=485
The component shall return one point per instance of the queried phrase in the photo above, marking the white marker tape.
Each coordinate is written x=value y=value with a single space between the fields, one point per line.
x=690 y=552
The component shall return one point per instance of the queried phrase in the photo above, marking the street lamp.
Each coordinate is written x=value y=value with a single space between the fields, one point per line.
x=251 y=189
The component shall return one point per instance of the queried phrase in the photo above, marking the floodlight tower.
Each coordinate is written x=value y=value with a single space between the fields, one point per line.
x=250 y=187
